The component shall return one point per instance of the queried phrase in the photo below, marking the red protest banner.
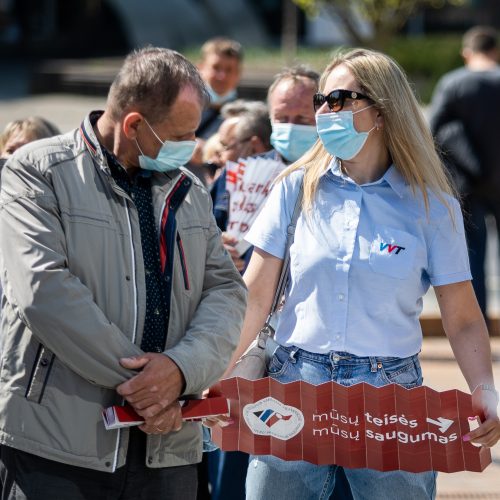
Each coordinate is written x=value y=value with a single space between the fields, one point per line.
x=385 y=428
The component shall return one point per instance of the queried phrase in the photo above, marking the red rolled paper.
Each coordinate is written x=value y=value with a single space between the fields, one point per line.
x=384 y=428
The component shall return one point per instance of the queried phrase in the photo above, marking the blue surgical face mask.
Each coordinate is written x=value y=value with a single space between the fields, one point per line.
x=338 y=135
x=217 y=99
x=291 y=140
x=172 y=154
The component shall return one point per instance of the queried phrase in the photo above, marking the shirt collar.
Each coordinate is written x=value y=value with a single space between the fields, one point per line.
x=392 y=177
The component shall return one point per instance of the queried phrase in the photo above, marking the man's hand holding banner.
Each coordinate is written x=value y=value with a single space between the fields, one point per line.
x=386 y=428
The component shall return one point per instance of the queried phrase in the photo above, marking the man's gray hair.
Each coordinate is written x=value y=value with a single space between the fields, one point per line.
x=255 y=122
x=239 y=107
x=296 y=74
x=150 y=81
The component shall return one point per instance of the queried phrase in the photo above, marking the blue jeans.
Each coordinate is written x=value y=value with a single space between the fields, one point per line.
x=275 y=479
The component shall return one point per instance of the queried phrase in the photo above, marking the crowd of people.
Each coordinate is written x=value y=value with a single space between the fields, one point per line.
x=122 y=285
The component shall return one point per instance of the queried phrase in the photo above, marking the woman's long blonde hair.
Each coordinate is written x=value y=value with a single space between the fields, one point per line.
x=405 y=132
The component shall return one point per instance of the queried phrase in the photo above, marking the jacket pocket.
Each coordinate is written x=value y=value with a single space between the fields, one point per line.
x=40 y=372
x=88 y=217
x=182 y=258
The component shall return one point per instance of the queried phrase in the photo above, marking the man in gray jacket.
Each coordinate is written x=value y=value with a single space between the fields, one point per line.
x=117 y=289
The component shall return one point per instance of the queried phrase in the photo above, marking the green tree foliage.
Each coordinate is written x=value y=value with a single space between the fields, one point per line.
x=385 y=16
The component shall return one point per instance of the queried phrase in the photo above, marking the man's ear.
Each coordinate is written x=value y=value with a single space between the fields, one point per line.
x=130 y=124
x=257 y=145
x=466 y=54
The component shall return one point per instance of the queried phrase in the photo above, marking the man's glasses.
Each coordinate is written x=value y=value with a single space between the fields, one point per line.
x=227 y=147
x=336 y=99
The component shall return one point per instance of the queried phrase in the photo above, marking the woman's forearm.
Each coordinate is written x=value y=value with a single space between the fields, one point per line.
x=261 y=279
x=466 y=329
x=472 y=350
x=257 y=312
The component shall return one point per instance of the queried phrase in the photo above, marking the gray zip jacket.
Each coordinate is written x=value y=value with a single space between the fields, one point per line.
x=75 y=298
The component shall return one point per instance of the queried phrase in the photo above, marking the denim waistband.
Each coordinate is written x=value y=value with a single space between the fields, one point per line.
x=341 y=357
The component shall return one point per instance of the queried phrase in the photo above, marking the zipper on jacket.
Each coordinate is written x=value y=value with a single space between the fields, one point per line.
x=134 y=282
x=183 y=261
x=134 y=333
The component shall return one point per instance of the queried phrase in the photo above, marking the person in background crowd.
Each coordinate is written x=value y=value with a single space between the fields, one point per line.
x=116 y=288
x=374 y=177
x=212 y=160
x=20 y=132
x=245 y=132
x=220 y=67
x=464 y=117
x=289 y=100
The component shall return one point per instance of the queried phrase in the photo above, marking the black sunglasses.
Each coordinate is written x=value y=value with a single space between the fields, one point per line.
x=336 y=99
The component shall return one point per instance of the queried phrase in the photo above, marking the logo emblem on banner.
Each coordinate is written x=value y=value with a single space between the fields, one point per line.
x=270 y=417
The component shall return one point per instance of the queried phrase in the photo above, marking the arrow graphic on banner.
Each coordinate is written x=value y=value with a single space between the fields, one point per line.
x=442 y=423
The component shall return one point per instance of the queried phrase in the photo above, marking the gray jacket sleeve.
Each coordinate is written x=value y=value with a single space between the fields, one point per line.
x=53 y=303
x=214 y=331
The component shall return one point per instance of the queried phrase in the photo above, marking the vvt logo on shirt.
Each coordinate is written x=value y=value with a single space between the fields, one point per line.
x=387 y=247
x=392 y=252
x=270 y=417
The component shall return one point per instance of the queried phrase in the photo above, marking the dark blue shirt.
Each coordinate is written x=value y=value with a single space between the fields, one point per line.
x=139 y=189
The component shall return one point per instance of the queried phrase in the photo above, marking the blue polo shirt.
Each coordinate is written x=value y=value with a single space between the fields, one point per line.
x=361 y=262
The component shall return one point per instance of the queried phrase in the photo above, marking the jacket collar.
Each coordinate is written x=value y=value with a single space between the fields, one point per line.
x=90 y=139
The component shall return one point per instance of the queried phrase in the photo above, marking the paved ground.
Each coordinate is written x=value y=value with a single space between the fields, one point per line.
x=440 y=370
x=64 y=110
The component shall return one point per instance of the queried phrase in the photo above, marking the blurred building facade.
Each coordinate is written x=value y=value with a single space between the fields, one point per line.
x=87 y=28
x=69 y=28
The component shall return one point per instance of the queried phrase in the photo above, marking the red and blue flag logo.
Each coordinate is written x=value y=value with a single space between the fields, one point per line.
x=270 y=417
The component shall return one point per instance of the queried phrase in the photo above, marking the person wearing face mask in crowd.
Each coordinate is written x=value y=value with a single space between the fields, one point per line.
x=220 y=67
x=293 y=132
x=373 y=178
x=117 y=289
x=292 y=115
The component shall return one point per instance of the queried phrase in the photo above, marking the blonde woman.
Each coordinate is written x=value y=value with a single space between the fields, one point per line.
x=19 y=132
x=379 y=225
